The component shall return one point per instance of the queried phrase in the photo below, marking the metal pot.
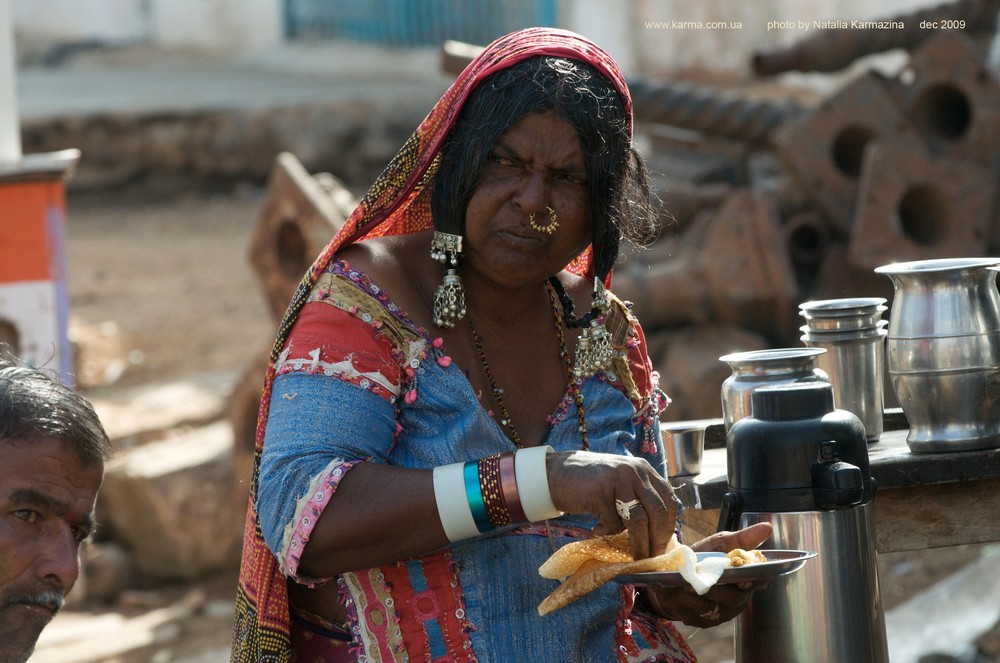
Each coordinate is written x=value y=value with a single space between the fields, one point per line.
x=765 y=367
x=943 y=351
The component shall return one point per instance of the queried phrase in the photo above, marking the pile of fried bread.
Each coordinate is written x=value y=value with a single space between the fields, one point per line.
x=590 y=563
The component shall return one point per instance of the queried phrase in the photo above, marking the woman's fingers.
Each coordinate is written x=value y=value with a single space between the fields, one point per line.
x=660 y=508
x=722 y=602
x=747 y=538
x=638 y=525
x=585 y=482
x=718 y=605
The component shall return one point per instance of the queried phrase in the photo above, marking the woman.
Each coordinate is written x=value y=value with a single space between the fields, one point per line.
x=429 y=435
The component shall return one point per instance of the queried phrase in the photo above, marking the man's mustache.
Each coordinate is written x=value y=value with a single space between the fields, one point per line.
x=52 y=599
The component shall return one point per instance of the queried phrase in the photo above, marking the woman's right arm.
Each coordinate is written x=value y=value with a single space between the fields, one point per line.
x=324 y=477
x=378 y=514
x=381 y=514
x=324 y=482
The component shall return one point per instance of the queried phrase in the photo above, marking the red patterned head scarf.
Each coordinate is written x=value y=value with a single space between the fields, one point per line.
x=389 y=207
x=397 y=203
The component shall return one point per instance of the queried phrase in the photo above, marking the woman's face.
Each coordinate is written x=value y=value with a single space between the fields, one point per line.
x=534 y=166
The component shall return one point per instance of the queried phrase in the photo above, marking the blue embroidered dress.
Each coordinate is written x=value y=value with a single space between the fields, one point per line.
x=358 y=382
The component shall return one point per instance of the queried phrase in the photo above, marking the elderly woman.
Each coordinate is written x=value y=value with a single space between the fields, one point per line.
x=453 y=394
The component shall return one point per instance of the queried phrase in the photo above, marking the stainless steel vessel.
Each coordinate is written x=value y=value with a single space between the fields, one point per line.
x=830 y=610
x=853 y=334
x=756 y=368
x=683 y=446
x=802 y=465
x=943 y=351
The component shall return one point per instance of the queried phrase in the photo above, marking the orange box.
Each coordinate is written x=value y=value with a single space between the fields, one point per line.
x=31 y=215
x=34 y=302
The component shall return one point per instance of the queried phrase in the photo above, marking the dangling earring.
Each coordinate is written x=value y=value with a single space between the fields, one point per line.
x=594 y=352
x=550 y=228
x=449 y=298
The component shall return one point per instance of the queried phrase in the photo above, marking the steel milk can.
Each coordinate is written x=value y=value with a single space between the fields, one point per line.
x=943 y=351
x=802 y=465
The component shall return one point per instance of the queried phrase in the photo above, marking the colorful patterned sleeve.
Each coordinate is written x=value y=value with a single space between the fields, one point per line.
x=332 y=407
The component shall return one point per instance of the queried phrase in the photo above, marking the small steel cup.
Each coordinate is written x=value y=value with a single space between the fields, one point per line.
x=684 y=446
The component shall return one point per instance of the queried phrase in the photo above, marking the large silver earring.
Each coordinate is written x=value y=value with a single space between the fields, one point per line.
x=547 y=229
x=449 y=298
x=594 y=351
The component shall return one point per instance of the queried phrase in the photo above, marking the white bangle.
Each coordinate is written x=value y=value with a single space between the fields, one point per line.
x=533 y=483
x=452 y=504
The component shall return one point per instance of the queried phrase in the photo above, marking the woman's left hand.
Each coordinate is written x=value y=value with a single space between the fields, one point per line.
x=722 y=602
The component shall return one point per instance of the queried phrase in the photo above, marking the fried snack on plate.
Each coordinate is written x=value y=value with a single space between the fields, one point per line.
x=740 y=557
x=565 y=561
x=590 y=563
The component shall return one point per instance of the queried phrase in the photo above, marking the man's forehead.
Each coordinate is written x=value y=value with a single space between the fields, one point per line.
x=64 y=450
x=48 y=470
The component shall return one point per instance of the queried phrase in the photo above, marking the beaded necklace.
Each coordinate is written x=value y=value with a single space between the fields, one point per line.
x=506 y=422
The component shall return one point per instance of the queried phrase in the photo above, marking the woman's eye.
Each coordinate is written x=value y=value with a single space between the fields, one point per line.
x=572 y=179
x=80 y=534
x=501 y=161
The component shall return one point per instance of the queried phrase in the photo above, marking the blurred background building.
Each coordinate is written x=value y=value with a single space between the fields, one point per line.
x=625 y=28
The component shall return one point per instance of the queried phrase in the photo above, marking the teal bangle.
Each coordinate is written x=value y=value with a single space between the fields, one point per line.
x=474 y=494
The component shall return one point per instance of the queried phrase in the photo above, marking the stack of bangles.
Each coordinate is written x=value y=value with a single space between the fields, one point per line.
x=499 y=490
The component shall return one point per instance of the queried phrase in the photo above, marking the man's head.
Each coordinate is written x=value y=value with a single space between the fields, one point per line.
x=52 y=453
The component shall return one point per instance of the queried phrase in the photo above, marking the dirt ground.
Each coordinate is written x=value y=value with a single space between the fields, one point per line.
x=160 y=286
x=161 y=290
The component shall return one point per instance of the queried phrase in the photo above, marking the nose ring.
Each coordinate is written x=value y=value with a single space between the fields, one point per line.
x=547 y=229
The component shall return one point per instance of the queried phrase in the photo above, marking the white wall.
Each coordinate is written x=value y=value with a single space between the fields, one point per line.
x=10 y=130
x=211 y=24
x=607 y=23
x=110 y=20
x=218 y=24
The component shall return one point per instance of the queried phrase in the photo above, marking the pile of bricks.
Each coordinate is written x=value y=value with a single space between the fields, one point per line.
x=778 y=202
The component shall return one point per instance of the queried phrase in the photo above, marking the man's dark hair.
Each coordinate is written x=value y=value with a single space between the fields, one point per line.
x=34 y=405
x=618 y=183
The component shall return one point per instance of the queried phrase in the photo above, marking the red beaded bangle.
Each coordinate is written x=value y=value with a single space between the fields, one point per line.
x=489 y=485
x=508 y=483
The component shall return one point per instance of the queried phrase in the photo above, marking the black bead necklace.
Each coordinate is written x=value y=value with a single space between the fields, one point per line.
x=506 y=422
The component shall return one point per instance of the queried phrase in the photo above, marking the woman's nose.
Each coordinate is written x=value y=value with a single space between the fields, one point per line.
x=533 y=194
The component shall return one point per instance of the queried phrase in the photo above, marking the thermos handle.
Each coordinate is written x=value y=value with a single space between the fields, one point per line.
x=837 y=485
x=729 y=513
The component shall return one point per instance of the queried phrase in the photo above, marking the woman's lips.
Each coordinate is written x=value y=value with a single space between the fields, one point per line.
x=522 y=236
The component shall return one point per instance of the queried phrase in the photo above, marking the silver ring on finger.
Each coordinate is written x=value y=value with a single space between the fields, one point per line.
x=624 y=509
